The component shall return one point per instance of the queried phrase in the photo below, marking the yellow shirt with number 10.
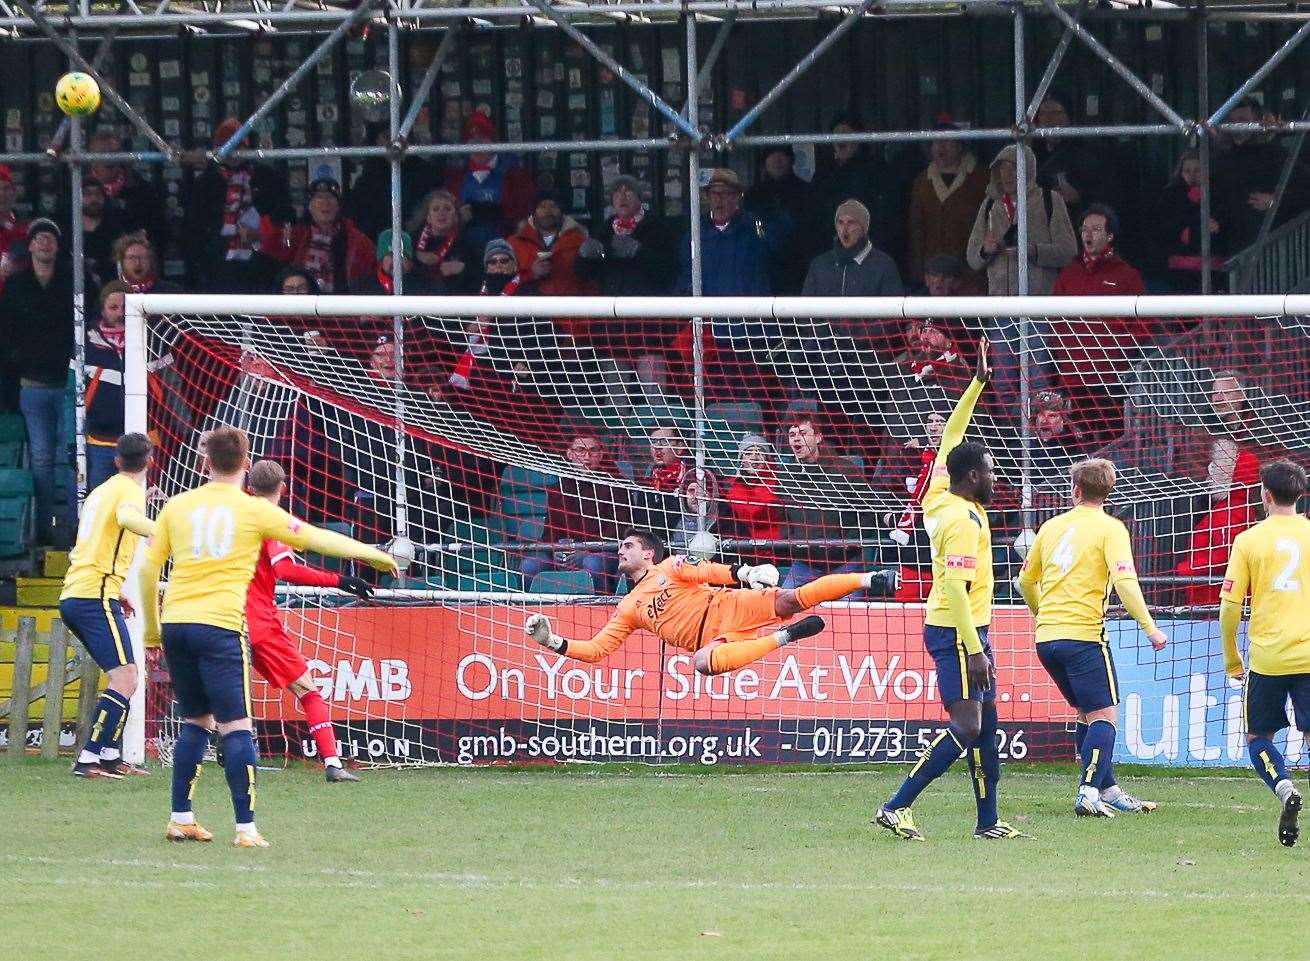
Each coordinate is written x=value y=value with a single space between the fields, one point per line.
x=214 y=534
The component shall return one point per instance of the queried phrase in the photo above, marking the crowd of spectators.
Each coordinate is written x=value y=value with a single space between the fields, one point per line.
x=481 y=226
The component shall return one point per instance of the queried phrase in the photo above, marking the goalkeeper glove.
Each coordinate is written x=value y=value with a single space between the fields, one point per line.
x=537 y=627
x=355 y=585
x=763 y=575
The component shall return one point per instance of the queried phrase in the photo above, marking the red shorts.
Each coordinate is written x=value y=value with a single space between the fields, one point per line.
x=276 y=657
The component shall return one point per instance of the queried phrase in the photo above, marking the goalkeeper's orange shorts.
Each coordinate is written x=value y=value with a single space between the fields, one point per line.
x=276 y=657
x=741 y=615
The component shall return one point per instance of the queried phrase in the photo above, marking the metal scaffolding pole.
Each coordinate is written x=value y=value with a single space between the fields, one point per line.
x=79 y=318
x=1021 y=221
x=97 y=61
x=794 y=74
x=1203 y=144
x=1057 y=56
x=106 y=88
x=1254 y=80
x=420 y=95
x=397 y=276
x=1284 y=178
x=707 y=68
x=289 y=84
x=641 y=89
x=1116 y=65
x=697 y=285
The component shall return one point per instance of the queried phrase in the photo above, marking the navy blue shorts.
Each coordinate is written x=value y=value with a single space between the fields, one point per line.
x=1265 y=703
x=952 y=675
x=100 y=626
x=210 y=667
x=1083 y=671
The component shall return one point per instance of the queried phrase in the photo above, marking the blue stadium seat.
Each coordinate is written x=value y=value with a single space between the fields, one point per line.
x=562 y=582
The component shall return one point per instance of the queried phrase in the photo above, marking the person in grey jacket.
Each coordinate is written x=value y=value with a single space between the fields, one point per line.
x=854 y=267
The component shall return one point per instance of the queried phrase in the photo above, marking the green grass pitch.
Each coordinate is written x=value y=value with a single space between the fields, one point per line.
x=623 y=864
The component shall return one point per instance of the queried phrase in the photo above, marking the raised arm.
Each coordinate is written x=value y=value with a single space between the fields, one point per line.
x=958 y=422
x=277 y=524
x=607 y=640
x=285 y=568
x=704 y=572
x=131 y=517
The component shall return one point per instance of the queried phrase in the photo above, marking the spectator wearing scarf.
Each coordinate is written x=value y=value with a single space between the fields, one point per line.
x=443 y=247
x=494 y=192
x=325 y=244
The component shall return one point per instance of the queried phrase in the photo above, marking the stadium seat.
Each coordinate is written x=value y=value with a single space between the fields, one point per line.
x=13 y=440
x=562 y=582
x=15 y=513
x=523 y=497
x=742 y=417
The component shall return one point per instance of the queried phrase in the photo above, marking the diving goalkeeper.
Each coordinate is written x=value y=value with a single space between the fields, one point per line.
x=692 y=605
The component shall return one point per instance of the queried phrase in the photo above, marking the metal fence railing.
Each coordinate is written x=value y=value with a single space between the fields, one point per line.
x=1275 y=264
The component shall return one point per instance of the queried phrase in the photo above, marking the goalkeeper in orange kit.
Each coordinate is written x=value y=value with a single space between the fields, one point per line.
x=692 y=605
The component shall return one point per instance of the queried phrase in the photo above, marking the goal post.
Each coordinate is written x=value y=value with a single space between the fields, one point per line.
x=502 y=444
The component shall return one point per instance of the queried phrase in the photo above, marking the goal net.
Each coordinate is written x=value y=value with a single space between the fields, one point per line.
x=504 y=444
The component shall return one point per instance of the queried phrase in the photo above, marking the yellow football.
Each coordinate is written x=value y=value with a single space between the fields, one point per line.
x=77 y=94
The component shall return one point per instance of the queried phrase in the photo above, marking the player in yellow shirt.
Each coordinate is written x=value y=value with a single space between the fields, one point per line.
x=214 y=535
x=91 y=604
x=955 y=626
x=1272 y=562
x=1066 y=579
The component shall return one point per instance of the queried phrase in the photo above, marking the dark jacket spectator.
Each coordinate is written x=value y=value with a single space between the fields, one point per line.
x=413 y=282
x=136 y=203
x=223 y=210
x=779 y=191
x=943 y=203
x=443 y=248
x=993 y=241
x=854 y=267
x=494 y=192
x=1178 y=217
x=368 y=197
x=330 y=247
x=1080 y=172
x=735 y=246
x=850 y=172
x=1245 y=175
x=101 y=227
x=104 y=347
x=546 y=245
x=13 y=231
x=811 y=485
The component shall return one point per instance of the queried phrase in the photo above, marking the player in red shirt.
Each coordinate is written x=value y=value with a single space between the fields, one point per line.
x=275 y=655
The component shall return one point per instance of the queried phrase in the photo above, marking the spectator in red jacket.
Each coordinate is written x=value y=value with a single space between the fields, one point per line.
x=493 y=191
x=755 y=510
x=1230 y=475
x=325 y=244
x=584 y=508
x=13 y=232
x=546 y=246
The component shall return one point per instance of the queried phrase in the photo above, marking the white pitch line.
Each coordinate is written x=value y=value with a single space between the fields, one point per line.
x=353 y=877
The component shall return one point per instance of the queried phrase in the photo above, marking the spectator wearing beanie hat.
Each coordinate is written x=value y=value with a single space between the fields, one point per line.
x=415 y=282
x=223 y=209
x=546 y=248
x=104 y=384
x=36 y=331
x=855 y=268
x=327 y=245
x=13 y=232
x=755 y=510
x=495 y=193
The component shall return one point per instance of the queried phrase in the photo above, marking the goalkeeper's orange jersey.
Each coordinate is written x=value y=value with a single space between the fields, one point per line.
x=680 y=601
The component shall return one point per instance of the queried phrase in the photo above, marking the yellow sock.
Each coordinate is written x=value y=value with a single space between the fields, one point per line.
x=730 y=656
x=830 y=587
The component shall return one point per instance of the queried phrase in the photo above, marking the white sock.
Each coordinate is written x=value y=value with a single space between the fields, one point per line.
x=109 y=754
x=1089 y=792
x=332 y=761
x=183 y=817
x=247 y=828
x=1284 y=789
x=783 y=636
x=1111 y=793
x=86 y=757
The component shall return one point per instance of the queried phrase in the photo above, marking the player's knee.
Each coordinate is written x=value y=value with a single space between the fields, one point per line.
x=785 y=603
x=301 y=686
x=702 y=660
x=1107 y=714
x=124 y=679
x=969 y=728
x=240 y=724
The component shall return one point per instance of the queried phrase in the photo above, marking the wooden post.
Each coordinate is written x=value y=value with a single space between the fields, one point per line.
x=53 y=721
x=86 y=695
x=20 y=701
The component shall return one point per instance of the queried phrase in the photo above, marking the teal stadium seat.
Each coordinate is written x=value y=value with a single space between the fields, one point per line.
x=15 y=511
x=743 y=417
x=523 y=496
x=562 y=582
x=13 y=440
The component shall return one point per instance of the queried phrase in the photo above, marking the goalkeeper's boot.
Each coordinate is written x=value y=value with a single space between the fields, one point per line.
x=93 y=769
x=1121 y=802
x=883 y=583
x=900 y=822
x=250 y=839
x=121 y=768
x=1289 y=822
x=1090 y=805
x=336 y=773
x=1001 y=831
x=805 y=627
x=186 y=832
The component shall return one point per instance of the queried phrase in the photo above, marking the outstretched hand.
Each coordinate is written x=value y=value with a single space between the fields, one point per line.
x=984 y=369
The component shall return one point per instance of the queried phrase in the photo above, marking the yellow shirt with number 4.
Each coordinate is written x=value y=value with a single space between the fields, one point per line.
x=1075 y=559
x=104 y=548
x=1272 y=561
